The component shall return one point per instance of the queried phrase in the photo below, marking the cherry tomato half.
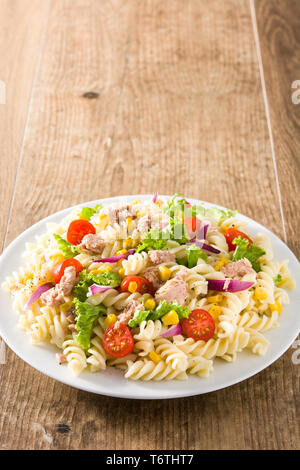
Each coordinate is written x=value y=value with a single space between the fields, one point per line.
x=199 y=325
x=78 y=229
x=143 y=285
x=193 y=225
x=233 y=233
x=59 y=269
x=118 y=342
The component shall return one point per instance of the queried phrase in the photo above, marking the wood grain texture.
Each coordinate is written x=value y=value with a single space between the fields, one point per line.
x=21 y=26
x=279 y=33
x=136 y=97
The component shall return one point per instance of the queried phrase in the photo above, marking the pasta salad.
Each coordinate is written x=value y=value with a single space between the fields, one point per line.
x=159 y=289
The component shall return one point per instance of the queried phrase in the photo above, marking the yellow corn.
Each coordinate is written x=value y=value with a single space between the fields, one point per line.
x=57 y=258
x=140 y=214
x=121 y=252
x=132 y=287
x=215 y=298
x=104 y=220
x=110 y=320
x=164 y=273
x=277 y=306
x=224 y=228
x=122 y=272
x=137 y=201
x=130 y=243
x=102 y=269
x=150 y=304
x=170 y=318
x=159 y=203
x=155 y=357
x=223 y=261
x=260 y=293
x=66 y=306
x=215 y=311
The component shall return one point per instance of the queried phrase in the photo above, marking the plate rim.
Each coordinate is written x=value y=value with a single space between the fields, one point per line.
x=169 y=394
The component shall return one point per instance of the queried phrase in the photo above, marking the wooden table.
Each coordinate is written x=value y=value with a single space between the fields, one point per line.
x=109 y=97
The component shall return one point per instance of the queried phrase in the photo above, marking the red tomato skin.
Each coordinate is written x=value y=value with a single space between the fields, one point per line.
x=59 y=269
x=193 y=225
x=113 y=337
x=143 y=285
x=199 y=325
x=233 y=233
x=78 y=229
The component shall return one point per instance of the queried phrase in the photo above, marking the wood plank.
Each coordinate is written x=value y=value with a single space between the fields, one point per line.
x=179 y=107
x=279 y=34
x=21 y=26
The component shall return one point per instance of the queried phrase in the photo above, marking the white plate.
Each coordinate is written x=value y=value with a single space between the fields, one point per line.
x=111 y=381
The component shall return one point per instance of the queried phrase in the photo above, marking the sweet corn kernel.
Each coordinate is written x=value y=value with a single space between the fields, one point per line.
x=170 y=318
x=132 y=287
x=121 y=252
x=57 y=258
x=164 y=273
x=137 y=201
x=224 y=228
x=215 y=311
x=155 y=357
x=260 y=293
x=122 y=272
x=150 y=304
x=102 y=269
x=223 y=261
x=140 y=214
x=66 y=306
x=104 y=220
x=159 y=203
x=277 y=306
x=110 y=320
x=215 y=298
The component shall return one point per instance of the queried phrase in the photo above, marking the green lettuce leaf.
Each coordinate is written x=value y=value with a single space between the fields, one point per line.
x=86 y=314
x=88 y=212
x=81 y=289
x=251 y=252
x=153 y=240
x=67 y=249
x=193 y=254
x=160 y=311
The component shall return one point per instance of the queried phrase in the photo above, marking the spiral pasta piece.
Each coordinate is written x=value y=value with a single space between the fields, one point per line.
x=147 y=370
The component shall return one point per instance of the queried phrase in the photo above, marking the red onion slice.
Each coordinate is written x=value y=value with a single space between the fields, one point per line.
x=37 y=294
x=155 y=197
x=96 y=289
x=228 y=285
x=175 y=330
x=114 y=259
x=204 y=246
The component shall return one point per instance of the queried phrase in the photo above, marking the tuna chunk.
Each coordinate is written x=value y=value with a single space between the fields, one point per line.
x=56 y=296
x=151 y=274
x=161 y=256
x=128 y=312
x=237 y=269
x=68 y=280
x=92 y=244
x=52 y=297
x=174 y=289
x=120 y=213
